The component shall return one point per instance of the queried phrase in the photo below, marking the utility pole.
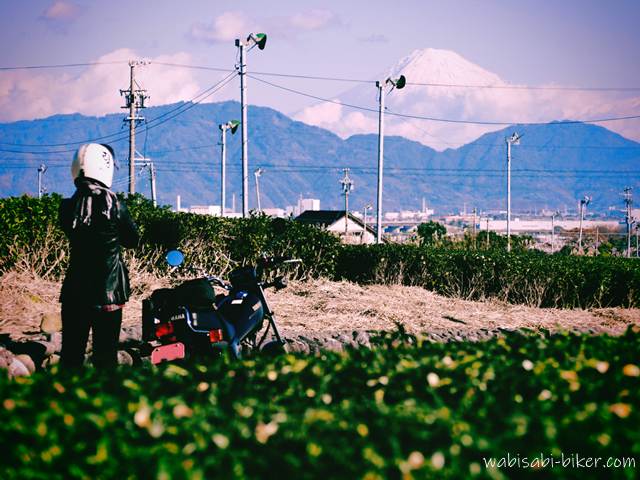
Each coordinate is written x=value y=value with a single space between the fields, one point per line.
x=628 y=201
x=152 y=177
x=233 y=126
x=553 y=231
x=260 y=40
x=347 y=186
x=398 y=83
x=41 y=169
x=364 y=228
x=475 y=211
x=512 y=140
x=145 y=162
x=134 y=100
x=257 y=173
x=487 y=233
x=583 y=204
x=381 y=98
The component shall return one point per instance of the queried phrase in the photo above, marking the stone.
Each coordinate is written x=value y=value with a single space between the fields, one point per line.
x=18 y=369
x=49 y=348
x=130 y=335
x=331 y=344
x=124 y=358
x=51 y=322
x=56 y=339
x=6 y=357
x=27 y=361
x=51 y=360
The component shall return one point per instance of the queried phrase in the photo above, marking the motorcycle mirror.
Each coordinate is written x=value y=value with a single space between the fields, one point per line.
x=175 y=258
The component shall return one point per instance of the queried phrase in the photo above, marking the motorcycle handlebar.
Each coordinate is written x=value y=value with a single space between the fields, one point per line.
x=219 y=282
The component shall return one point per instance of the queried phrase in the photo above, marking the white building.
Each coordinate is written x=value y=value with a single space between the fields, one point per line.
x=350 y=230
x=205 y=209
x=303 y=205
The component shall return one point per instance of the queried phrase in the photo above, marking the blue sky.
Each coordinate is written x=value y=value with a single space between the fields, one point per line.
x=577 y=43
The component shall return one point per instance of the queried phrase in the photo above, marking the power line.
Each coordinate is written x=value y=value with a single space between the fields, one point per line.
x=445 y=120
x=64 y=65
x=124 y=135
x=419 y=84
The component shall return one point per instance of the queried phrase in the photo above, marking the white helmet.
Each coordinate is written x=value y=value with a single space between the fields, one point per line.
x=94 y=160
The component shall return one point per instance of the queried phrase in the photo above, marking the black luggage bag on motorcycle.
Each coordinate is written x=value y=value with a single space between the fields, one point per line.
x=196 y=295
x=243 y=312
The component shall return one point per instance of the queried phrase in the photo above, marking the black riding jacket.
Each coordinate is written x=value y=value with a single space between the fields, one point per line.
x=97 y=274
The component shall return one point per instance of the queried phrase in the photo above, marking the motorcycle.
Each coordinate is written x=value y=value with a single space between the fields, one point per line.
x=191 y=319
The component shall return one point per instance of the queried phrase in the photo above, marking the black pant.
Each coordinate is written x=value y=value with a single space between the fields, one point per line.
x=77 y=320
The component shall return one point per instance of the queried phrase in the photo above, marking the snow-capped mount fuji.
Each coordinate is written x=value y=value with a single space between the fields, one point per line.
x=443 y=85
x=431 y=75
x=442 y=67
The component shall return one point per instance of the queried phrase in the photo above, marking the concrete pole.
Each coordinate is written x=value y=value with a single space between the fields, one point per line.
x=152 y=174
x=346 y=214
x=553 y=233
x=223 y=170
x=257 y=173
x=475 y=211
x=380 y=86
x=487 y=232
x=508 y=195
x=132 y=129
x=245 y=139
x=364 y=225
x=581 y=218
x=628 y=202
x=41 y=169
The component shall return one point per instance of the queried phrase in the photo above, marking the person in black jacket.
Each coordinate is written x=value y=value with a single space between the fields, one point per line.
x=96 y=285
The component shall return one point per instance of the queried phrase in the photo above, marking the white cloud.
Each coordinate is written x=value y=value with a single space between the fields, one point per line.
x=312 y=19
x=495 y=104
x=61 y=10
x=374 y=38
x=95 y=90
x=234 y=24
x=224 y=28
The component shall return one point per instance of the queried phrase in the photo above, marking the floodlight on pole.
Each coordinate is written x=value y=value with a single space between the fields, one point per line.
x=231 y=126
x=628 y=201
x=347 y=186
x=41 y=169
x=398 y=83
x=583 y=204
x=514 y=139
x=367 y=207
x=253 y=40
x=257 y=173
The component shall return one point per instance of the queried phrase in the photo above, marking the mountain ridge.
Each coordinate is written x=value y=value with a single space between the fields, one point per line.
x=300 y=159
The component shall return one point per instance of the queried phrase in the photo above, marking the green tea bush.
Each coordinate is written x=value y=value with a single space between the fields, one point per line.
x=404 y=409
x=31 y=239
x=211 y=244
x=527 y=277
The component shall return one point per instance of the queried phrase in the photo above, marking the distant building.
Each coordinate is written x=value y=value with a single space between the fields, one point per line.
x=274 y=212
x=205 y=209
x=334 y=221
x=304 y=204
